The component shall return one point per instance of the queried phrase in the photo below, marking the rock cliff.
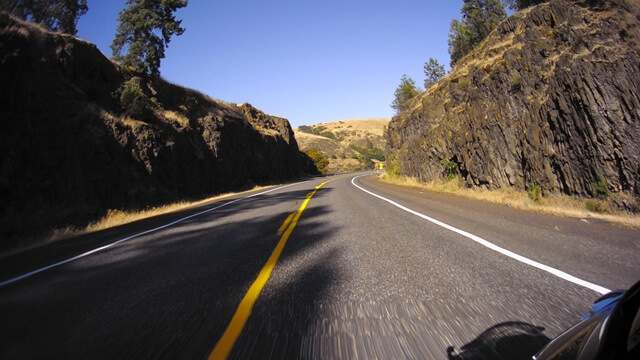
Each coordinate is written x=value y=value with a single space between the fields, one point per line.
x=69 y=151
x=551 y=97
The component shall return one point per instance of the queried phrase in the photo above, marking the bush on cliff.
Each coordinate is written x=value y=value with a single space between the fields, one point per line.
x=535 y=192
x=134 y=101
x=450 y=169
x=319 y=160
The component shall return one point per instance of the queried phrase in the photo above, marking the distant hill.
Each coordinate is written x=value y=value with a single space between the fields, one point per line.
x=348 y=144
x=80 y=135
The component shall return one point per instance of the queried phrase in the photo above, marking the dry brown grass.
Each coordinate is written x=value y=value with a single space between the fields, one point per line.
x=327 y=146
x=374 y=126
x=117 y=217
x=337 y=166
x=558 y=205
x=267 y=132
x=351 y=130
x=131 y=123
x=356 y=132
x=176 y=117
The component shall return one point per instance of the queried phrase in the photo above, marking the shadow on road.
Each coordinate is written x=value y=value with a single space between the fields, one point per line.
x=173 y=294
x=286 y=312
x=169 y=294
x=32 y=259
x=504 y=341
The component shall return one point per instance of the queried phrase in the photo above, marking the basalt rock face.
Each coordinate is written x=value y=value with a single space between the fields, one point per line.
x=552 y=97
x=69 y=151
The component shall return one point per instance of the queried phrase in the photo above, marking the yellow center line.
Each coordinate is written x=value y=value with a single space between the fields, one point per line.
x=225 y=344
x=286 y=223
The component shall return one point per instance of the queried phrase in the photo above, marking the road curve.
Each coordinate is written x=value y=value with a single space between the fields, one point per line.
x=357 y=278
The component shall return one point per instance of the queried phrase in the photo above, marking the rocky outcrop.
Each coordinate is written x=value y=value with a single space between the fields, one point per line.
x=69 y=152
x=552 y=97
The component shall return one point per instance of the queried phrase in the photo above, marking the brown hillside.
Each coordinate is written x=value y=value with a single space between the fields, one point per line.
x=345 y=134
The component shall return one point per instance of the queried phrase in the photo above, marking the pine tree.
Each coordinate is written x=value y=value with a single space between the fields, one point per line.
x=55 y=15
x=522 y=4
x=482 y=16
x=406 y=91
x=479 y=18
x=433 y=72
x=145 y=30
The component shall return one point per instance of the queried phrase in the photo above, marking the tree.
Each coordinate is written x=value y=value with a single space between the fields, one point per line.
x=482 y=16
x=145 y=29
x=305 y=129
x=406 y=91
x=460 y=41
x=523 y=4
x=433 y=72
x=319 y=160
x=479 y=18
x=55 y=15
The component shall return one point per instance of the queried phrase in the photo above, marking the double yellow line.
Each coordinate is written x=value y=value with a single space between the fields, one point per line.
x=224 y=346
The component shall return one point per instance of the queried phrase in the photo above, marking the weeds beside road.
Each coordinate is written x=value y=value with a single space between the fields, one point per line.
x=556 y=204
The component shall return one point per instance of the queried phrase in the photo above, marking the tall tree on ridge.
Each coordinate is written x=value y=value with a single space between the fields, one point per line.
x=479 y=18
x=145 y=30
x=406 y=91
x=433 y=72
x=55 y=15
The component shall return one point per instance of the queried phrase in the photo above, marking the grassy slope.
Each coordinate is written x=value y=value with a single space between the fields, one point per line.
x=555 y=204
x=349 y=132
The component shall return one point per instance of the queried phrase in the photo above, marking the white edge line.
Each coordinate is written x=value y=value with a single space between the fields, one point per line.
x=483 y=242
x=34 y=272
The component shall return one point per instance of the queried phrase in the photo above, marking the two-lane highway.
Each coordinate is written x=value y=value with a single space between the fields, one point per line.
x=357 y=277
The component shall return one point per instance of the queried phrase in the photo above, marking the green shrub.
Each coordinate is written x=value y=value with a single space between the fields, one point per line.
x=463 y=83
x=595 y=206
x=134 y=101
x=450 y=169
x=371 y=152
x=601 y=187
x=328 y=134
x=319 y=160
x=393 y=168
x=535 y=192
x=305 y=129
x=365 y=155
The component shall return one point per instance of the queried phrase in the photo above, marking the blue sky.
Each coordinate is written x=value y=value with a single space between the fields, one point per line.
x=308 y=61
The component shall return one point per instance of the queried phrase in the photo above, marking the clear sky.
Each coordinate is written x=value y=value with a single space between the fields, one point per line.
x=309 y=61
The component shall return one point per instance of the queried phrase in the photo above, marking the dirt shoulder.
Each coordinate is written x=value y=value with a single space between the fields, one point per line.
x=557 y=205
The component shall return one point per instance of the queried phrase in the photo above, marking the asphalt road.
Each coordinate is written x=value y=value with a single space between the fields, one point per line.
x=357 y=278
